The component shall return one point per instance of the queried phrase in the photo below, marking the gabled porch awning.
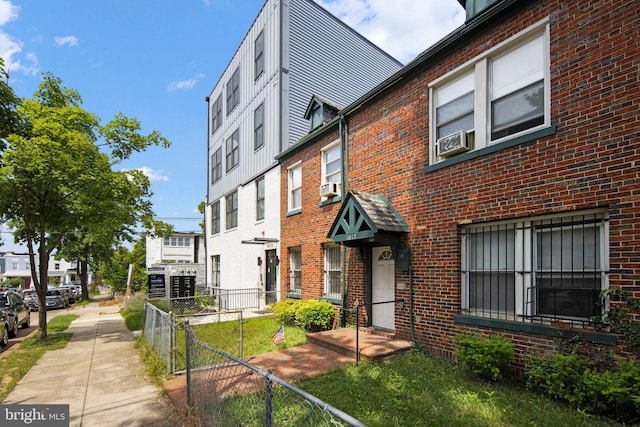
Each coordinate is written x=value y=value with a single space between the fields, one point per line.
x=367 y=220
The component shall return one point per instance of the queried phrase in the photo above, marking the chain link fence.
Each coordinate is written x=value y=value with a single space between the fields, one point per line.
x=224 y=390
x=160 y=332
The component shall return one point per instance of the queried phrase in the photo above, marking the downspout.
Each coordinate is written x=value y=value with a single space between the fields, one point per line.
x=344 y=148
x=413 y=332
x=206 y=203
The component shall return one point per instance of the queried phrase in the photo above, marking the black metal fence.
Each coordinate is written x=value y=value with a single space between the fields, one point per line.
x=224 y=390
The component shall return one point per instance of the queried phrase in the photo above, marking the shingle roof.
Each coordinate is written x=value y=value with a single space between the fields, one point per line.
x=380 y=212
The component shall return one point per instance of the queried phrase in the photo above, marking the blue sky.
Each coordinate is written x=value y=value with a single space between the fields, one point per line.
x=156 y=60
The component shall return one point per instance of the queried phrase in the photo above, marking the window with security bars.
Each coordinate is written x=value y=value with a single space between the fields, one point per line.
x=332 y=270
x=536 y=269
x=295 y=270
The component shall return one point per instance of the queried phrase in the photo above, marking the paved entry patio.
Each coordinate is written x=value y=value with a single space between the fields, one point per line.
x=325 y=352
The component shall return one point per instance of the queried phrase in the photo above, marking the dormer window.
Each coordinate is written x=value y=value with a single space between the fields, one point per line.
x=315 y=118
x=320 y=112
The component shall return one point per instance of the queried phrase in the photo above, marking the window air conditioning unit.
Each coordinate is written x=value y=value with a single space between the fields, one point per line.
x=330 y=189
x=452 y=144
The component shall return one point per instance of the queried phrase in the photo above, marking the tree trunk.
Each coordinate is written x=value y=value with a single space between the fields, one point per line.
x=83 y=269
x=41 y=289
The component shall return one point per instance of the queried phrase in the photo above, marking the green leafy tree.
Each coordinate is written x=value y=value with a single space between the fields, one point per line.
x=9 y=119
x=56 y=183
x=115 y=271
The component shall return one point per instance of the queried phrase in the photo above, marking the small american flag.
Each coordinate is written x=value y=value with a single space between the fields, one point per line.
x=278 y=336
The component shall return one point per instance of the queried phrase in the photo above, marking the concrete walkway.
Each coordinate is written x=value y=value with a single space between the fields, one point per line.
x=99 y=374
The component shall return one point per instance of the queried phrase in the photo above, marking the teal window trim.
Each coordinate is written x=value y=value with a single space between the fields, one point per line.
x=294 y=212
x=294 y=295
x=537 y=328
x=529 y=137
x=336 y=301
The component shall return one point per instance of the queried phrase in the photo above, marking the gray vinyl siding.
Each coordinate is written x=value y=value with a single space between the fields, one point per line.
x=307 y=52
x=253 y=92
x=329 y=59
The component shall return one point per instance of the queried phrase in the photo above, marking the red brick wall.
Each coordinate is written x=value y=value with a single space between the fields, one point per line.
x=593 y=159
x=307 y=229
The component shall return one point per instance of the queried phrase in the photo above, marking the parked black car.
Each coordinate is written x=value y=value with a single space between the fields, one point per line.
x=4 y=330
x=16 y=311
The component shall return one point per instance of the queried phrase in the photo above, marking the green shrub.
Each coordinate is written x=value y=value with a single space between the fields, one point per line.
x=134 y=320
x=311 y=315
x=488 y=358
x=315 y=315
x=285 y=311
x=570 y=378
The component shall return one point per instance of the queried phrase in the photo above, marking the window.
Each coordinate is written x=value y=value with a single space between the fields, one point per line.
x=295 y=270
x=233 y=91
x=14 y=266
x=215 y=271
x=260 y=199
x=215 y=217
x=233 y=150
x=177 y=241
x=216 y=114
x=57 y=266
x=315 y=116
x=258 y=127
x=332 y=270
x=331 y=164
x=295 y=188
x=231 y=202
x=216 y=165
x=547 y=268
x=259 y=55
x=501 y=94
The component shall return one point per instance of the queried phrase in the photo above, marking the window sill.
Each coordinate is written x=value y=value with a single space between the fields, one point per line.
x=294 y=295
x=330 y=201
x=536 y=328
x=332 y=300
x=530 y=137
x=294 y=212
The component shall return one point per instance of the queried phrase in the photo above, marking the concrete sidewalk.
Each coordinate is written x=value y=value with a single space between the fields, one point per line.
x=99 y=374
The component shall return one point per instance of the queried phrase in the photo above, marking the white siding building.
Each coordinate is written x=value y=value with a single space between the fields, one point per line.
x=182 y=254
x=294 y=50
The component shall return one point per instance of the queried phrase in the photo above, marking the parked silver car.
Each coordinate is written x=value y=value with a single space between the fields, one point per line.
x=56 y=299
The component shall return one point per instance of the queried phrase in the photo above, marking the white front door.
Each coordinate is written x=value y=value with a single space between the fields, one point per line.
x=383 y=288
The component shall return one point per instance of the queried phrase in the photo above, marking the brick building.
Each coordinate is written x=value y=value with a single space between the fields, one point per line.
x=492 y=184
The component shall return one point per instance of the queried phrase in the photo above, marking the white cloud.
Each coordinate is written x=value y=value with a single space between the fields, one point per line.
x=70 y=40
x=185 y=84
x=154 y=175
x=10 y=48
x=402 y=28
x=8 y=11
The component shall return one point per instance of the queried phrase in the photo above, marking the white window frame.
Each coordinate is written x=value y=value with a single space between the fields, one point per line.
x=295 y=266
x=524 y=269
x=480 y=135
x=332 y=265
x=334 y=176
x=293 y=186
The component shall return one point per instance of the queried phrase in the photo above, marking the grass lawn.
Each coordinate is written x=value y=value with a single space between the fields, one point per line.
x=256 y=337
x=416 y=389
x=14 y=365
